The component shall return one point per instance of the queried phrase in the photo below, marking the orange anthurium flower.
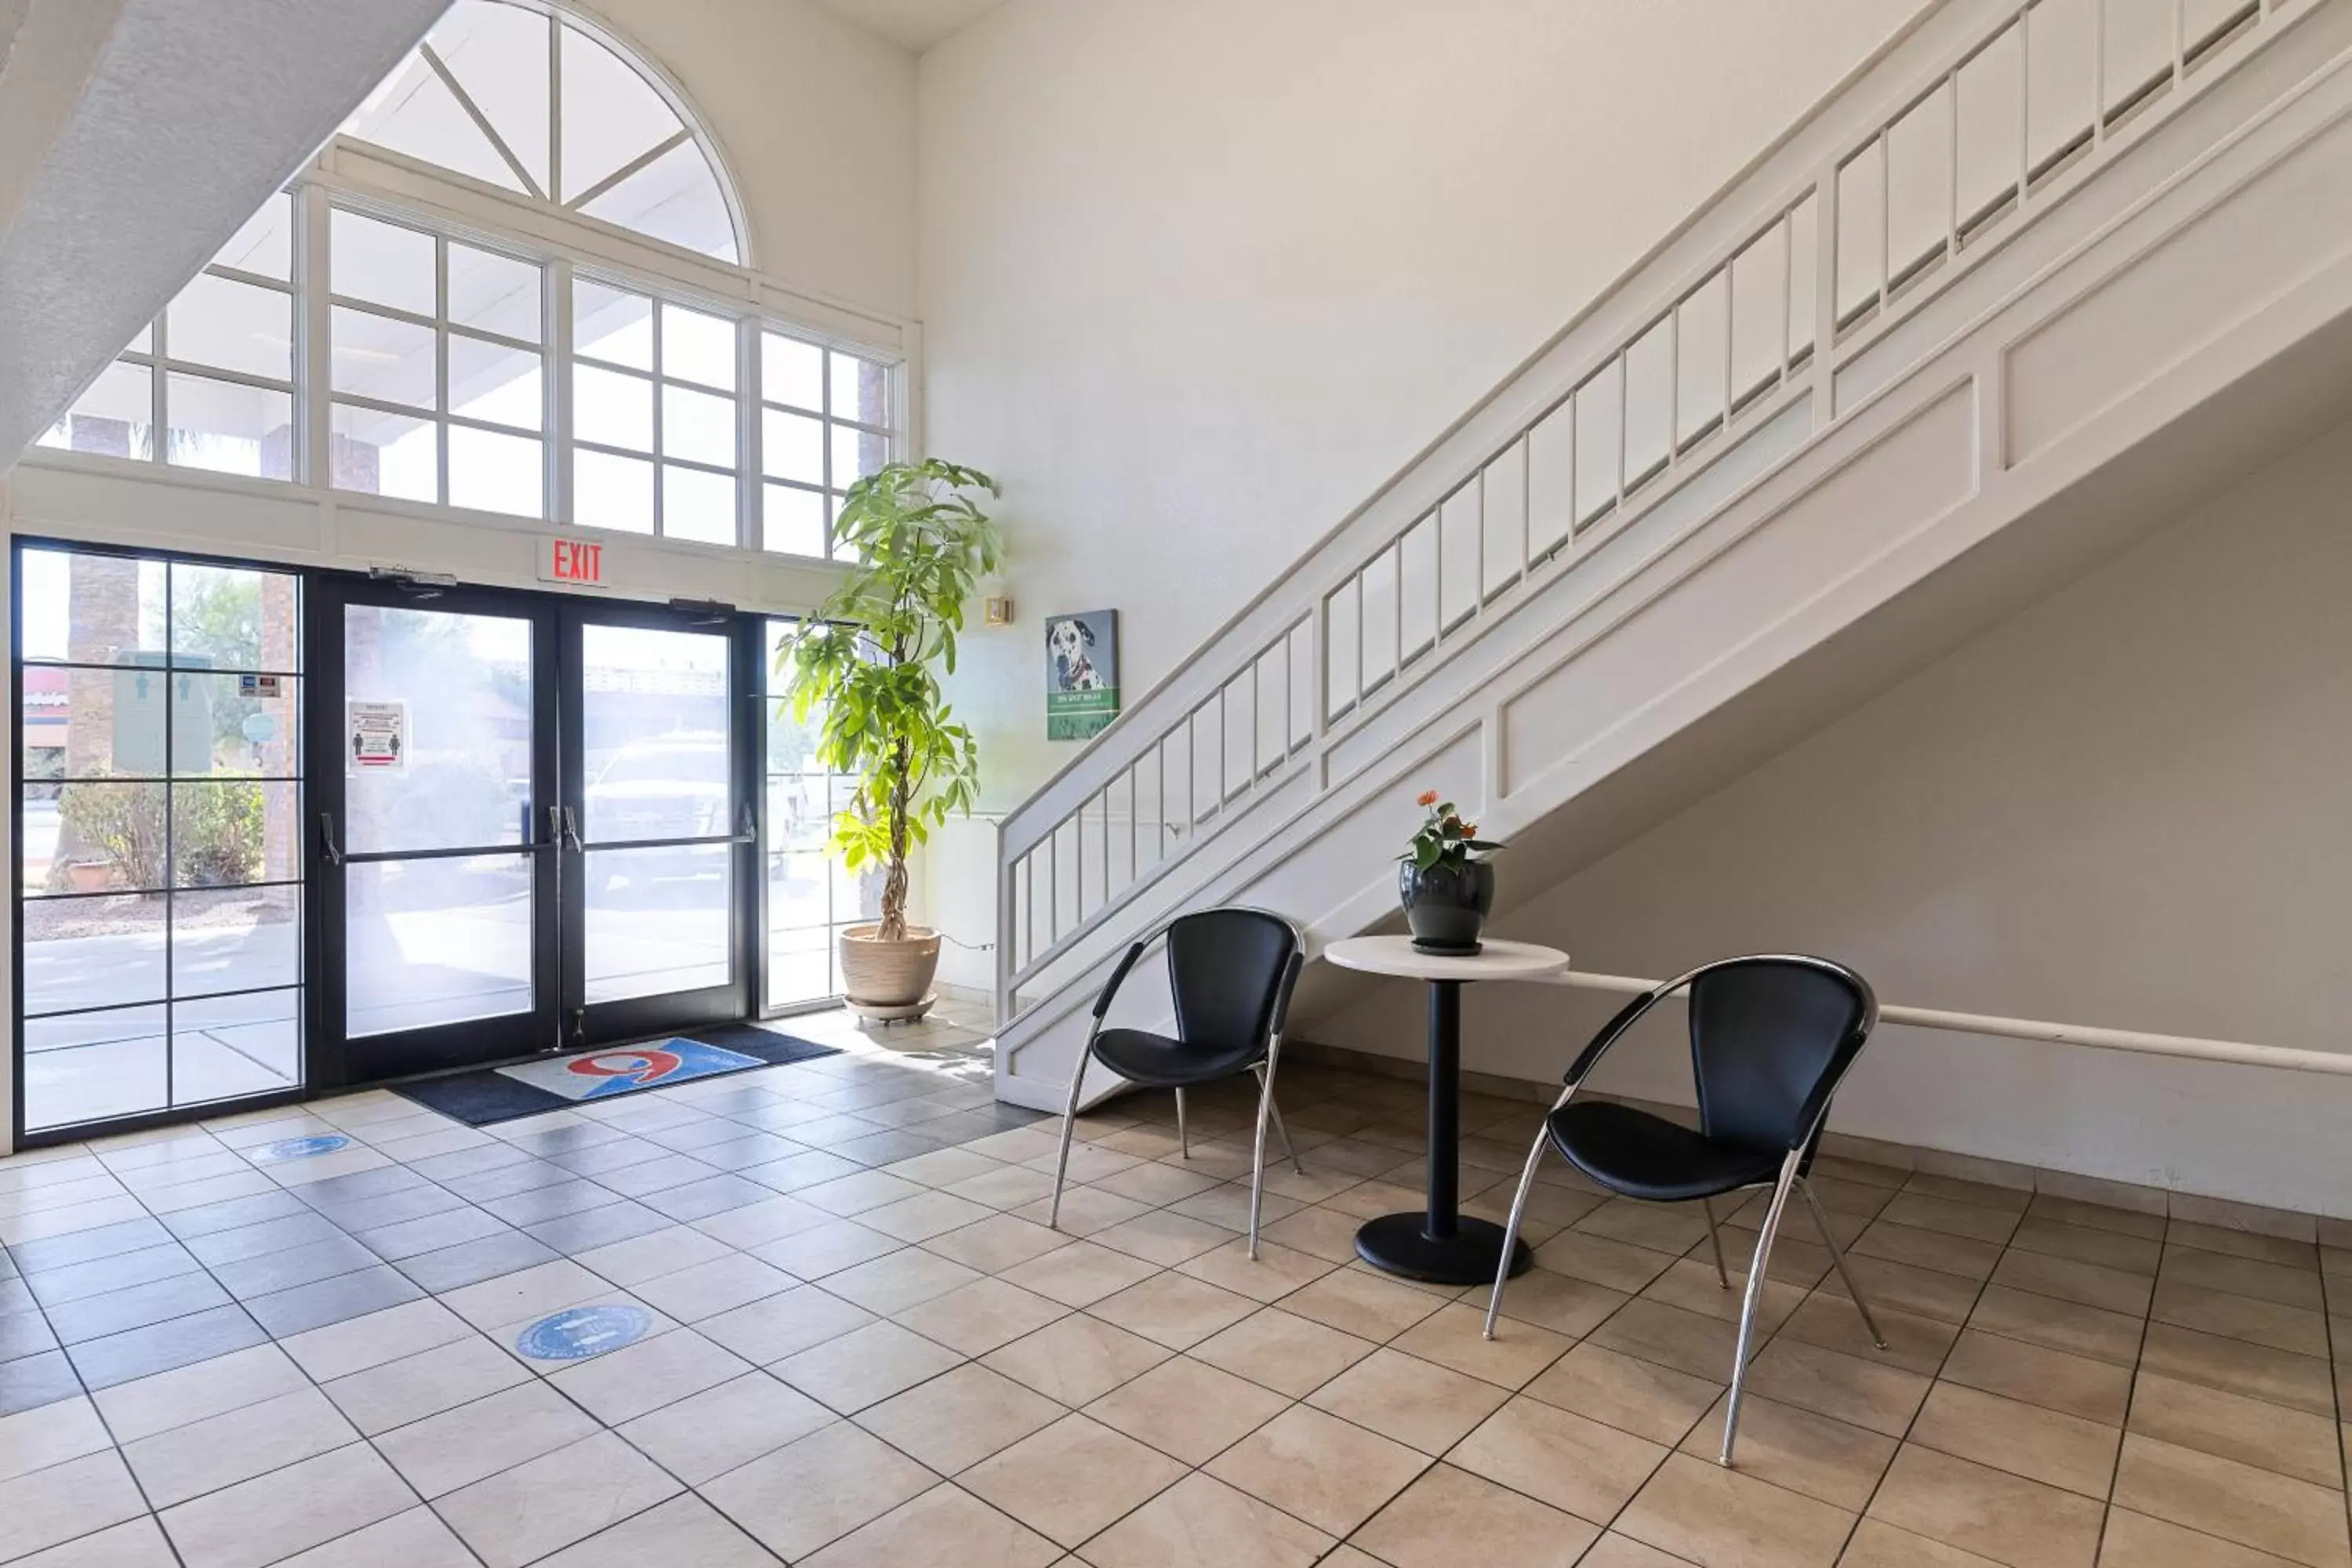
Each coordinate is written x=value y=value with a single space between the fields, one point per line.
x=1427 y=797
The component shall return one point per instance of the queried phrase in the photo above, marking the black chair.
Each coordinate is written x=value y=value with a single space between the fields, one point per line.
x=1231 y=971
x=1772 y=1037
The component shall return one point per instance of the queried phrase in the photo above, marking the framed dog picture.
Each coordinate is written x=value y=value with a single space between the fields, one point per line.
x=1081 y=674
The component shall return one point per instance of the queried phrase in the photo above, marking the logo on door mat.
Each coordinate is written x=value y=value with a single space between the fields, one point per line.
x=599 y=1074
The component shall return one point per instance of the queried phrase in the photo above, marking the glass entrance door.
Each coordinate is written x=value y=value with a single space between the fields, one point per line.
x=436 y=842
x=658 y=846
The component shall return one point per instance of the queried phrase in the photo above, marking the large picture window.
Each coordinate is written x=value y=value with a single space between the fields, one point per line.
x=159 y=860
x=654 y=443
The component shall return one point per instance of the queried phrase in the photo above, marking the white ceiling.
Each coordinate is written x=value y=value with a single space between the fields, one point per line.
x=915 y=24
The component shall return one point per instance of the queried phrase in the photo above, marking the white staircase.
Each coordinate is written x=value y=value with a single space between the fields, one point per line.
x=1988 y=311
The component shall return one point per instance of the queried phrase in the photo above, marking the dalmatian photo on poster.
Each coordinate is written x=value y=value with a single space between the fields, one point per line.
x=1081 y=674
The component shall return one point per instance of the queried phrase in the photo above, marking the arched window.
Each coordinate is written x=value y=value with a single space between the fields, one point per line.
x=514 y=95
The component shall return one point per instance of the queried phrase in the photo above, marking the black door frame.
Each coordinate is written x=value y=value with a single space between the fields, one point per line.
x=336 y=1059
x=634 y=1018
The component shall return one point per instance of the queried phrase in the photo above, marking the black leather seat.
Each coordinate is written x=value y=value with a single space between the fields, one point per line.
x=1771 y=1039
x=1646 y=1156
x=1230 y=973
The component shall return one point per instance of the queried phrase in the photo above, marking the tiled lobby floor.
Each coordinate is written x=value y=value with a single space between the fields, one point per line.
x=867 y=1352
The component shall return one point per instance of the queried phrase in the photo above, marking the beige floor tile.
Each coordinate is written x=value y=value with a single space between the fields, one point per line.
x=2299 y=1329
x=1417 y=1402
x=631 y=1263
x=1626 y=1392
x=416 y=1539
x=1359 y=1303
x=1319 y=1467
x=1079 y=1274
x=822 y=1251
x=1599 y=1260
x=47 y=1507
x=684 y=1531
x=2237 y=1503
x=924 y=1216
x=400 y=1392
x=1990 y=1512
x=1289 y=1354
x=1073 y=1478
x=1187 y=1409
x=1698 y=1510
x=1935 y=1250
x=286 y=1510
x=2099 y=1216
x=1155 y=1183
x=864 y=1366
x=2292 y=1254
x=1325 y=1233
x=2289 y=1286
x=139 y=1543
x=361 y=1342
x=1275 y=1273
x=2028 y=1440
x=1453 y=1336
x=1878 y=1544
x=2010 y=1200
x=648 y=1374
x=1833 y=1461
x=1085 y=1210
x=1906 y=1288
x=1866 y=1393
x=996 y=1243
x=1565 y=1459
x=2094 y=1389
x=52 y=1434
x=1449 y=1517
x=459 y=1447
x=2291 y=1442
x=898 y=1280
x=2136 y=1540
x=2087 y=1243
x=1670 y=1228
x=1947 y=1217
x=721 y=1284
x=152 y=1405
x=1163 y=1238
x=713 y=1432
x=1687 y=1341
x=1554 y=1301
x=2280 y=1377
x=1913 y=1343
x=817 y=1489
x=960 y=1418
x=767 y=1332
x=1615 y=1551
x=509 y=1298
x=1200 y=1523
x=1075 y=1360
x=1691 y=1285
x=221 y=1451
x=2060 y=1325
x=1171 y=1310
x=980 y=1317
x=944 y=1525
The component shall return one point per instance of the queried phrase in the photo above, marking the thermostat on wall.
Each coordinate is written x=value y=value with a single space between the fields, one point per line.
x=999 y=611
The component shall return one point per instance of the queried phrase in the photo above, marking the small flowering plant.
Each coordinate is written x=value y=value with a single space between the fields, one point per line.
x=1445 y=839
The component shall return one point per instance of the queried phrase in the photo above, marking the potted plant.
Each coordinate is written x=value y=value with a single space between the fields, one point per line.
x=1447 y=891
x=871 y=658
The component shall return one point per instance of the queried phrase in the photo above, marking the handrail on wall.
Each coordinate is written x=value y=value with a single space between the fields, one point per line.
x=2186 y=1046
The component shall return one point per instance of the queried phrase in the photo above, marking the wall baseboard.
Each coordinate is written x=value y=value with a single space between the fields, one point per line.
x=2224 y=1213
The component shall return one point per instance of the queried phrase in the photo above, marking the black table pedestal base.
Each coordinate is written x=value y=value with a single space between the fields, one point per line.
x=1400 y=1242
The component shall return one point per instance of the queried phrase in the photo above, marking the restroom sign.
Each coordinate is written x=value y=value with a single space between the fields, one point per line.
x=376 y=734
x=578 y=562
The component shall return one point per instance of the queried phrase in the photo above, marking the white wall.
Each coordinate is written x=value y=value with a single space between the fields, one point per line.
x=2129 y=806
x=817 y=118
x=1197 y=277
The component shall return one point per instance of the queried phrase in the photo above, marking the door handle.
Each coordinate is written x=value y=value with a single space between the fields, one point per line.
x=327 y=844
x=746 y=827
x=554 y=827
x=572 y=833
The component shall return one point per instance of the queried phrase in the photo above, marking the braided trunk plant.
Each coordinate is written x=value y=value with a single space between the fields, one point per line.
x=872 y=656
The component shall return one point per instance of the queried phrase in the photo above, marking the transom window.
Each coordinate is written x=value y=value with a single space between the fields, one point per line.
x=442 y=367
x=506 y=94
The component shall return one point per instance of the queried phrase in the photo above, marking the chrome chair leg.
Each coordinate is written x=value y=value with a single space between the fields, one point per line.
x=1511 y=1227
x=1257 y=1150
x=1288 y=1147
x=1069 y=1124
x=1752 y=1298
x=1184 y=1139
x=1837 y=1256
x=1715 y=1240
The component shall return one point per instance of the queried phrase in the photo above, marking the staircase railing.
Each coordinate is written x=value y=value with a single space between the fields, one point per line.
x=1925 y=161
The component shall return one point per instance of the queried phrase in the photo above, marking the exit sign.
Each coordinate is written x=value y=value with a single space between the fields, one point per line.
x=578 y=562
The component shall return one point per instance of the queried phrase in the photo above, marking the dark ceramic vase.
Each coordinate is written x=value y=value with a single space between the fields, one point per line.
x=1446 y=906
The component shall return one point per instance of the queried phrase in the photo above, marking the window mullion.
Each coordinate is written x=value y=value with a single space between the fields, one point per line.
x=556 y=330
x=750 y=456
x=655 y=320
x=314 y=363
x=441 y=359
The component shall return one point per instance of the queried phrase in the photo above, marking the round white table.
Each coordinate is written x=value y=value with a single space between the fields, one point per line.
x=1438 y=1245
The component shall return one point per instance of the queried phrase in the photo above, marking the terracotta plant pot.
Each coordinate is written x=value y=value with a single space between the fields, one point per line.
x=89 y=876
x=889 y=980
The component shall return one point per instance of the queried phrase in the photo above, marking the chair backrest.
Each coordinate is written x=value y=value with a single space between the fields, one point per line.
x=1770 y=1037
x=1229 y=970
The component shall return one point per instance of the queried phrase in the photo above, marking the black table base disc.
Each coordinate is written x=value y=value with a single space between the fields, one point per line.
x=1449 y=949
x=1396 y=1242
